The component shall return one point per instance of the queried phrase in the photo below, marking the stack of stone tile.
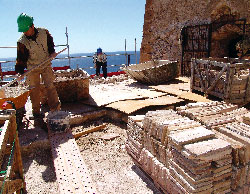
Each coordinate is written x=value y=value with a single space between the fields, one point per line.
x=231 y=125
x=212 y=113
x=135 y=135
x=158 y=125
x=183 y=156
x=199 y=162
x=239 y=132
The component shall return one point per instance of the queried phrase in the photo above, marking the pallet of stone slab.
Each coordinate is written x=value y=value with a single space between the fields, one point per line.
x=224 y=78
x=153 y=72
x=238 y=149
x=159 y=124
x=199 y=162
x=239 y=132
x=134 y=128
x=213 y=113
x=158 y=173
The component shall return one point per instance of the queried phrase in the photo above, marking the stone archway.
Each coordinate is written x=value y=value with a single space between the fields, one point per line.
x=224 y=39
x=227 y=30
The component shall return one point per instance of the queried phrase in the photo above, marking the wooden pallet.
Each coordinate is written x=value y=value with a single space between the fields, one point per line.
x=224 y=78
x=71 y=171
x=10 y=156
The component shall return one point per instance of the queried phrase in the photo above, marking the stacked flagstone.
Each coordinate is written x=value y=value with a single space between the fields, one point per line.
x=135 y=135
x=199 y=162
x=183 y=156
x=232 y=125
x=158 y=125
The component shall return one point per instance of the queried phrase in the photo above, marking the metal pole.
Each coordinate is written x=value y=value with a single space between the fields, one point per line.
x=67 y=43
x=135 y=53
x=126 y=52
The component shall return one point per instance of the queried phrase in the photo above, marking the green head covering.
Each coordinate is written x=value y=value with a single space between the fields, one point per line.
x=24 y=22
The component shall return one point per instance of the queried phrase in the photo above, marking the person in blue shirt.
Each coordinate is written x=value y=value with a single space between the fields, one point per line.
x=100 y=60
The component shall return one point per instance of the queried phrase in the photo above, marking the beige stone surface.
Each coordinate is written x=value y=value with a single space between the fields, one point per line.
x=164 y=20
x=191 y=135
x=103 y=94
x=130 y=106
x=234 y=135
x=209 y=150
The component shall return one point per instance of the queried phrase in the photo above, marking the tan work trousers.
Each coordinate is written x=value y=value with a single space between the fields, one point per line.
x=48 y=77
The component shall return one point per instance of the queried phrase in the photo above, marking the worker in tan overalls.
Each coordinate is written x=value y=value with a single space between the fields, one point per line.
x=33 y=47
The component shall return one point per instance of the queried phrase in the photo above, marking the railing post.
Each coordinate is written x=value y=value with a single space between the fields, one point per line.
x=67 y=44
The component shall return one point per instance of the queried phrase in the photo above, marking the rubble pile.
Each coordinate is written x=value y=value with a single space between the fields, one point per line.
x=71 y=74
x=12 y=92
x=200 y=148
x=109 y=80
x=71 y=85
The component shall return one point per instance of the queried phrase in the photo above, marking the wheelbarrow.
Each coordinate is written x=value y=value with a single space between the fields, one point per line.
x=18 y=103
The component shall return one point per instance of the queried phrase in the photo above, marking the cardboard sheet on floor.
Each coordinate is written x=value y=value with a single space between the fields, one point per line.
x=174 y=89
x=194 y=97
x=104 y=94
x=129 y=106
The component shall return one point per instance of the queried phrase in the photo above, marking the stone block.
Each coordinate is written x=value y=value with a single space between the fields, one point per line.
x=190 y=136
x=248 y=174
x=239 y=177
x=238 y=149
x=244 y=140
x=213 y=149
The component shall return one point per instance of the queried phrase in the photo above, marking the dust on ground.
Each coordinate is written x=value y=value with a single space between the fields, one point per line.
x=111 y=168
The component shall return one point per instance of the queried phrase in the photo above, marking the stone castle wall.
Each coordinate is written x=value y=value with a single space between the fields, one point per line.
x=164 y=20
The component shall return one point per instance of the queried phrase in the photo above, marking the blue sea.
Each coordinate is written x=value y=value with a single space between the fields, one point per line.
x=115 y=60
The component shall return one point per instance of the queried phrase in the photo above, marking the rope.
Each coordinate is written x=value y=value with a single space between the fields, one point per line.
x=2 y=172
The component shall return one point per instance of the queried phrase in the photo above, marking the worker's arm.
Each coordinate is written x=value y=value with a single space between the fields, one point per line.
x=50 y=42
x=94 y=60
x=22 y=58
x=51 y=45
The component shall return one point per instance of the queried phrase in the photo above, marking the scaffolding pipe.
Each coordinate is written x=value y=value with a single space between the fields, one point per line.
x=135 y=53
x=126 y=52
x=67 y=43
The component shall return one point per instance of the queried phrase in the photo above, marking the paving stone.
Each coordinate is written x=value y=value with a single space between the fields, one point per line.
x=241 y=139
x=208 y=150
x=238 y=149
x=191 y=136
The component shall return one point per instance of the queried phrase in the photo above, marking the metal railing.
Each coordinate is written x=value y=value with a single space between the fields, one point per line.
x=68 y=57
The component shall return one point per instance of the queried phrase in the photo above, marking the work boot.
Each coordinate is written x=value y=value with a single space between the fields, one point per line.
x=39 y=122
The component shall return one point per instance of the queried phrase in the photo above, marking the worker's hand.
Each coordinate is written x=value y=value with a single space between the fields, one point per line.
x=94 y=65
x=53 y=55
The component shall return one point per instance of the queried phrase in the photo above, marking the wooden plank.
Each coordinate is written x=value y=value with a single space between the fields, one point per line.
x=97 y=128
x=216 y=79
x=3 y=140
x=71 y=171
x=10 y=186
x=201 y=80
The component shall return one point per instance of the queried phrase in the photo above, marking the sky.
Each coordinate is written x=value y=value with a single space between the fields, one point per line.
x=90 y=23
